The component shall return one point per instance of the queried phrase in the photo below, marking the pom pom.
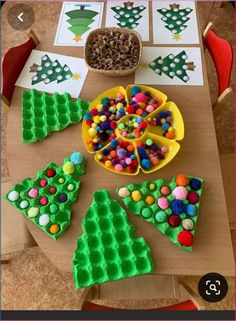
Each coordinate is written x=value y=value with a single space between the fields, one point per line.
x=191 y=210
x=195 y=184
x=68 y=168
x=13 y=196
x=163 y=203
x=76 y=158
x=178 y=207
x=160 y=217
x=182 y=180
x=180 y=193
x=165 y=190
x=44 y=220
x=123 y=192
x=54 y=229
x=149 y=200
x=146 y=212
x=33 y=212
x=136 y=196
x=187 y=224
x=62 y=198
x=135 y=90
x=185 y=238
x=174 y=220
x=50 y=173
x=193 y=197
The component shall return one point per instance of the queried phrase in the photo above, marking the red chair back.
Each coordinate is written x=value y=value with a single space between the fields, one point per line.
x=12 y=64
x=222 y=56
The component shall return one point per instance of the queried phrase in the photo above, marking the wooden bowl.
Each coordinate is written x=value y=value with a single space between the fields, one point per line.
x=112 y=72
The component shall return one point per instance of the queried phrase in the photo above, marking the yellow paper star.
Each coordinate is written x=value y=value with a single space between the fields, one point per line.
x=76 y=76
x=77 y=38
x=176 y=37
x=144 y=64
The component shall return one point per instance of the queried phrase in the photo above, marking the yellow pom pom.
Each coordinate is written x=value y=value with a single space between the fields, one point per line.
x=95 y=140
x=99 y=107
x=99 y=156
x=94 y=125
x=136 y=196
x=170 y=129
x=149 y=200
x=61 y=180
x=103 y=118
x=108 y=163
x=119 y=105
x=92 y=132
x=163 y=120
x=96 y=119
x=68 y=168
x=152 y=186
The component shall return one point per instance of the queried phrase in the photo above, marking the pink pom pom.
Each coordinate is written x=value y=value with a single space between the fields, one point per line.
x=180 y=193
x=163 y=203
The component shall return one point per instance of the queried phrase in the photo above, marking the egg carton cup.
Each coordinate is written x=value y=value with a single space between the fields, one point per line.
x=137 y=206
x=63 y=216
x=108 y=250
x=43 y=113
x=152 y=131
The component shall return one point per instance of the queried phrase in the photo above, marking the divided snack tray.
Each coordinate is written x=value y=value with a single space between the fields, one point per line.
x=153 y=132
x=108 y=250
x=43 y=113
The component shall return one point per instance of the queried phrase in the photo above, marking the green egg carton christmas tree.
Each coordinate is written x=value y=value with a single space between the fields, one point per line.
x=108 y=250
x=46 y=200
x=43 y=113
x=128 y=15
x=172 y=207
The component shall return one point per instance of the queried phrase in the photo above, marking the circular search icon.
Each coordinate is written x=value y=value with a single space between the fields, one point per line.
x=213 y=287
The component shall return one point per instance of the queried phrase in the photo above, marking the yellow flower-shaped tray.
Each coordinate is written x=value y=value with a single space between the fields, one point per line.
x=155 y=133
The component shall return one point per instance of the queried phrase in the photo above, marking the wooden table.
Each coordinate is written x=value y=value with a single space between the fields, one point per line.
x=212 y=249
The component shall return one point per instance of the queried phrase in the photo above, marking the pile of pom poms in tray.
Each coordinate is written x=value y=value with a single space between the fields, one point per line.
x=132 y=129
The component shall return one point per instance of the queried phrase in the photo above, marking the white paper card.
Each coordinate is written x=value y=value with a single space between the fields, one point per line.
x=129 y=14
x=170 y=66
x=174 y=22
x=52 y=73
x=77 y=19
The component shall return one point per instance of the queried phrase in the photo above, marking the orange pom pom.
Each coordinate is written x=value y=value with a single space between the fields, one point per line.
x=170 y=135
x=54 y=229
x=154 y=161
x=139 y=111
x=182 y=180
x=130 y=148
x=113 y=153
x=139 y=144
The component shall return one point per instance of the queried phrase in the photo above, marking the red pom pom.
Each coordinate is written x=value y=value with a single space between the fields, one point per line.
x=130 y=169
x=50 y=173
x=134 y=163
x=130 y=109
x=89 y=122
x=126 y=144
x=94 y=111
x=113 y=136
x=52 y=190
x=185 y=238
x=113 y=125
x=174 y=220
x=193 y=197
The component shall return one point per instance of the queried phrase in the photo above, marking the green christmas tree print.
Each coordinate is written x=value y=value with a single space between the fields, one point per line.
x=173 y=66
x=80 y=20
x=50 y=71
x=128 y=15
x=175 y=19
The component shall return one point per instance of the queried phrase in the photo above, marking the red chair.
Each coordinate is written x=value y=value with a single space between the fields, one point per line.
x=222 y=56
x=12 y=64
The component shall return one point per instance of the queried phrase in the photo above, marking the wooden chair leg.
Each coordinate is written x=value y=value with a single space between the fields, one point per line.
x=224 y=98
x=193 y=296
x=85 y=293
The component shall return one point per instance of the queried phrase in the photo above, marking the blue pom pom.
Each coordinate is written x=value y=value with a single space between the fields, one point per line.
x=87 y=116
x=165 y=126
x=195 y=184
x=114 y=143
x=191 y=210
x=146 y=164
x=76 y=158
x=178 y=207
x=135 y=90
x=105 y=151
x=141 y=151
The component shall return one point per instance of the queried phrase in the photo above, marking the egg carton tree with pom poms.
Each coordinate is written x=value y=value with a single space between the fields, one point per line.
x=108 y=249
x=80 y=20
x=172 y=207
x=173 y=66
x=46 y=200
x=175 y=19
x=128 y=15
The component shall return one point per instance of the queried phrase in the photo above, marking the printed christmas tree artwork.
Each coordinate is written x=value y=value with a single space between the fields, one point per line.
x=108 y=250
x=173 y=66
x=80 y=20
x=46 y=200
x=50 y=71
x=172 y=207
x=128 y=15
x=175 y=19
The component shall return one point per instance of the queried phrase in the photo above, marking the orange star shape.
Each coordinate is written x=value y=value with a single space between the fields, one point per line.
x=77 y=38
x=76 y=76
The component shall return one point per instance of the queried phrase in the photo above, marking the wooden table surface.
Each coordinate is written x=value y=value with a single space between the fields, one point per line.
x=198 y=155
